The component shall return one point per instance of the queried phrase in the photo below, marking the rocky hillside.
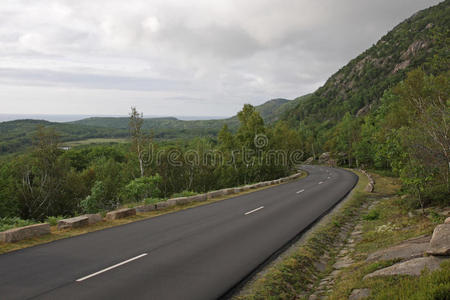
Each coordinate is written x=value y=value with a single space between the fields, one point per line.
x=416 y=42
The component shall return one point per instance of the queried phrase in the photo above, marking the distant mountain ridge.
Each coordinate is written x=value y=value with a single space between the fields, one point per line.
x=16 y=136
x=271 y=111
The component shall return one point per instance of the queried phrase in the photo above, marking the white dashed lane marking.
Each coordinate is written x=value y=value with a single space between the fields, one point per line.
x=252 y=211
x=112 y=267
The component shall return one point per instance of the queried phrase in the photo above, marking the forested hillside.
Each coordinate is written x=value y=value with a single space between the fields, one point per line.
x=388 y=109
x=420 y=41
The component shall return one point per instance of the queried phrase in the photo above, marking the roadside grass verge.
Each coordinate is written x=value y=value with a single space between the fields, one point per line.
x=66 y=233
x=429 y=286
x=296 y=274
x=391 y=223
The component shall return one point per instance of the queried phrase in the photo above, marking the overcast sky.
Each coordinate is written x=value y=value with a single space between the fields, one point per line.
x=179 y=57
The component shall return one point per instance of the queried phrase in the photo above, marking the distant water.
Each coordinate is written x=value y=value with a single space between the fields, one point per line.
x=70 y=118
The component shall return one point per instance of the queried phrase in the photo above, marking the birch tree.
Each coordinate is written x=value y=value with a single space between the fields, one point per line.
x=140 y=142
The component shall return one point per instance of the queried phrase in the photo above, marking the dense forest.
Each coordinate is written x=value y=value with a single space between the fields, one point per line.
x=48 y=181
x=387 y=110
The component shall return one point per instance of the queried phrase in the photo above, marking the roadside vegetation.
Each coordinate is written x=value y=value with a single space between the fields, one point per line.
x=57 y=234
x=47 y=181
x=395 y=223
x=385 y=220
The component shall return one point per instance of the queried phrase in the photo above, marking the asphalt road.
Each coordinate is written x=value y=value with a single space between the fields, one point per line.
x=198 y=253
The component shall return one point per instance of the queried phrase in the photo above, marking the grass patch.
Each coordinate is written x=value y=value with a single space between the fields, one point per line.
x=429 y=286
x=372 y=215
x=392 y=224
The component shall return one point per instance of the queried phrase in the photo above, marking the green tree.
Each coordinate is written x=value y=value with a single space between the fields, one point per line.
x=97 y=200
x=9 y=206
x=416 y=179
x=42 y=179
x=141 y=188
x=140 y=142
x=346 y=135
x=251 y=125
x=428 y=138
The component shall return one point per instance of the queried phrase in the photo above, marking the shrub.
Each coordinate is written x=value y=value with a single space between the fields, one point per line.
x=184 y=194
x=97 y=200
x=152 y=200
x=53 y=221
x=372 y=215
x=141 y=188
x=437 y=195
x=13 y=222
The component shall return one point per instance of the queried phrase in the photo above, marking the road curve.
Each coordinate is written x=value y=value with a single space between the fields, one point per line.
x=197 y=253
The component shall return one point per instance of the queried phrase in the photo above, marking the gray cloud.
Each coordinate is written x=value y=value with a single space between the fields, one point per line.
x=174 y=52
x=85 y=80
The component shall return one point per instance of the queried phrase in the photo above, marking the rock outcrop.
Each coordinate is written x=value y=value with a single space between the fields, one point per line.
x=371 y=185
x=358 y=294
x=324 y=157
x=412 y=251
x=440 y=241
x=409 y=249
x=309 y=160
x=412 y=267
